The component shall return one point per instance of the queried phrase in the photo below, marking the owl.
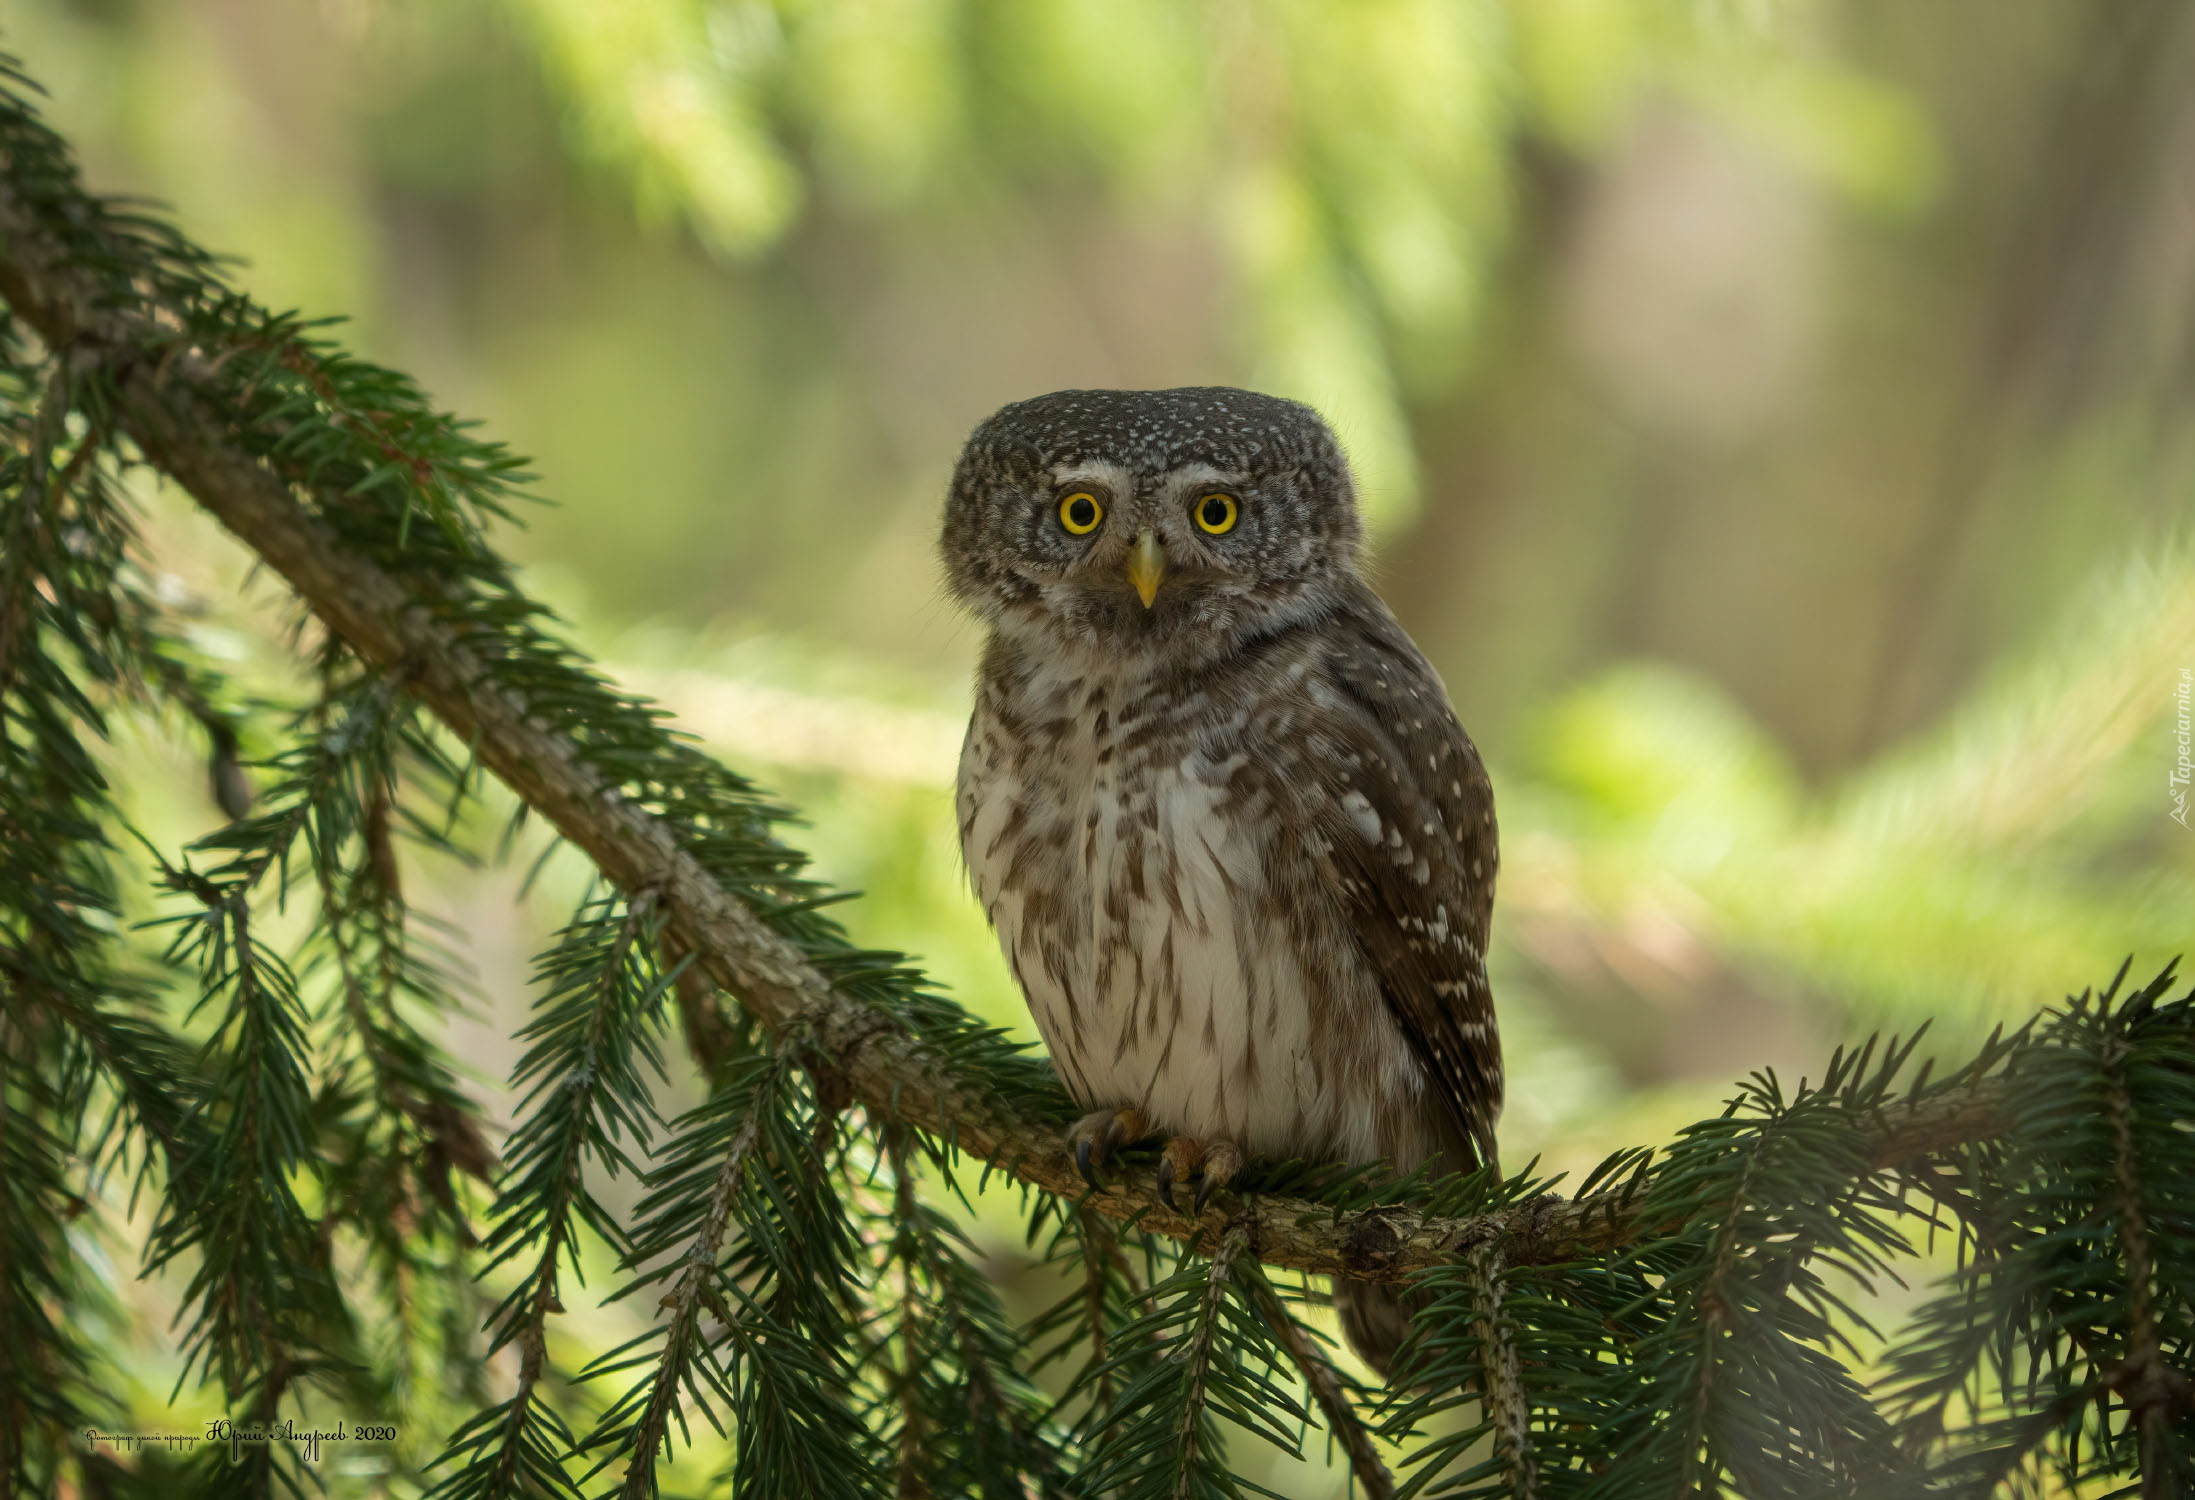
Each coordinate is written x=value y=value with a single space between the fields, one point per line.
x=1237 y=849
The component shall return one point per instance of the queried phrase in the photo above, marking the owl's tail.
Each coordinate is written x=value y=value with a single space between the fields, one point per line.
x=1374 y=1317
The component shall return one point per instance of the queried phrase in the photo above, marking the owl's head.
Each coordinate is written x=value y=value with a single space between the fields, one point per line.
x=1181 y=522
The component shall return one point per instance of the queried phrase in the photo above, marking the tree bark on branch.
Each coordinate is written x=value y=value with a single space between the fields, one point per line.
x=169 y=406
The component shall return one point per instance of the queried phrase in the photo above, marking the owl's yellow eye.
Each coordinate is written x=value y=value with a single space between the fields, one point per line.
x=1216 y=514
x=1080 y=512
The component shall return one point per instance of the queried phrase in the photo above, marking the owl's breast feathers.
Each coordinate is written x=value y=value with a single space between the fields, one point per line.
x=1253 y=900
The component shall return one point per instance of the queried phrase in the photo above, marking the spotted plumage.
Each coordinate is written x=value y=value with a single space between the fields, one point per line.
x=1238 y=851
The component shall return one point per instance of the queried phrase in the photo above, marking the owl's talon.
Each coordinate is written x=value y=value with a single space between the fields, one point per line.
x=1185 y=1157
x=1222 y=1160
x=1098 y=1134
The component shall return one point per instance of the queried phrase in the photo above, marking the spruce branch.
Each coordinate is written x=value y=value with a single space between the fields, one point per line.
x=590 y=1042
x=1193 y=1437
x=910 y=1473
x=2143 y=1378
x=43 y=1362
x=1326 y=1388
x=744 y=1221
x=175 y=409
x=692 y=1295
x=1508 y=1408
x=255 y=1275
x=86 y=1070
x=969 y=1423
x=1158 y=1438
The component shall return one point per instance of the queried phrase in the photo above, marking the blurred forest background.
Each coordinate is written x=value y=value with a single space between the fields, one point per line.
x=1773 y=420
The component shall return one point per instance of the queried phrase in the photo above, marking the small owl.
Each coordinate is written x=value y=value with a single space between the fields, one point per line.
x=1238 y=851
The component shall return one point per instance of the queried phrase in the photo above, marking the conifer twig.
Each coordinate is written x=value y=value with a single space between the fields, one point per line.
x=1341 y=1418
x=1507 y=1405
x=1197 y=1356
x=689 y=1297
x=2144 y=1370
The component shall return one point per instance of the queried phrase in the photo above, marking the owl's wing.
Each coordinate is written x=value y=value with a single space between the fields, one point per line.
x=1413 y=856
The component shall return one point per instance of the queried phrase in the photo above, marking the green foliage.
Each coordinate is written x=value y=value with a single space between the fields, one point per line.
x=944 y=1364
x=2067 y=1334
x=1720 y=1352
x=1349 y=162
x=744 y=1222
x=586 y=1073
x=1925 y=884
x=1160 y=1433
x=276 y=1080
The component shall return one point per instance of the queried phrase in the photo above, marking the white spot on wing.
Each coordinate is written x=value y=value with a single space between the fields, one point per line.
x=1359 y=809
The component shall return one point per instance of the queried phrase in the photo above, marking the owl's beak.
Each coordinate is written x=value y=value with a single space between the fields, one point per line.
x=1146 y=565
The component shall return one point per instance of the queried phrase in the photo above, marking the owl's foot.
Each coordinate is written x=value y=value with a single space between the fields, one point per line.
x=1098 y=1134
x=1185 y=1156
